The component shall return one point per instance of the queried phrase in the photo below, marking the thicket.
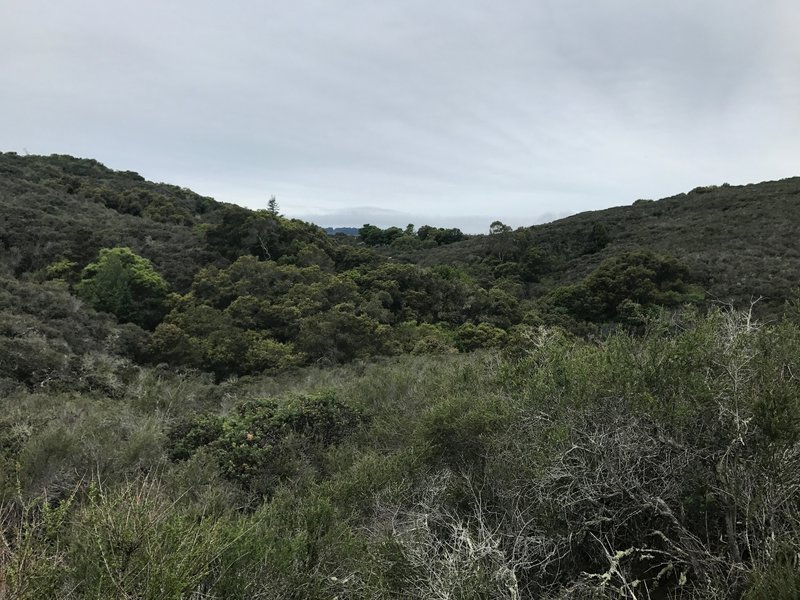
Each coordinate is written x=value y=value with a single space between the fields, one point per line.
x=659 y=465
x=409 y=238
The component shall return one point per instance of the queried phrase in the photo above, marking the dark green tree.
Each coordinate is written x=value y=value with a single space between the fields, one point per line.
x=440 y=235
x=448 y=236
x=498 y=227
x=371 y=235
x=272 y=207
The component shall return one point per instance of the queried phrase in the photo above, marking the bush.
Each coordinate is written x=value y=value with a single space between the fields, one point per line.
x=134 y=541
x=777 y=581
x=640 y=278
x=125 y=284
x=471 y=337
x=266 y=441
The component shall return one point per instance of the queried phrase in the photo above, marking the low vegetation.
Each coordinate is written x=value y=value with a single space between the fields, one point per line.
x=656 y=465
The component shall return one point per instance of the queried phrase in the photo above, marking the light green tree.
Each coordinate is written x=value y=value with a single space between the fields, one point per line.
x=125 y=284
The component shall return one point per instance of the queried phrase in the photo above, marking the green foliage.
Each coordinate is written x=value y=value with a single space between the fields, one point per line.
x=149 y=547
x=257 y=316
x=203 y=337
x=45 y=332
x=439 y=235
x=598 y=238
x=65 y=270
x=406 y=239
x=736 y=242
x=272 y=207
x=338 y=335
x=459 y=471
x=266 y=441
x=375 y=236
x=779 y=581
x=471 y=337
x=315 y=433
x=457 y=431
x=125 y=284
x=31 y=562
x=498 y=227
x=164 y=210
x=619 y=283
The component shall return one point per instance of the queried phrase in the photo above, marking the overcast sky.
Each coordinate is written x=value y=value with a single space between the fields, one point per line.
x=446 y=112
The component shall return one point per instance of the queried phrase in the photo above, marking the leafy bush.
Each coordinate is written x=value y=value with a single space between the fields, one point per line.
x=642 y=278
x=127 y=285
x=265 y=441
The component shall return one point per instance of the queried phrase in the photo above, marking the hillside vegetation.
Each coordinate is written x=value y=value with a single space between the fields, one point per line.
x=737 y=241
x=198 y=400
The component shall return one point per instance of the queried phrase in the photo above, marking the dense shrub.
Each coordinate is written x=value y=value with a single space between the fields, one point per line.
x=622 y=282
x=265 y=441
x=122 y=283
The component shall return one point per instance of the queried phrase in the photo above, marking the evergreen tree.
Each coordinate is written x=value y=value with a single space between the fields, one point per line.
x=272 y=207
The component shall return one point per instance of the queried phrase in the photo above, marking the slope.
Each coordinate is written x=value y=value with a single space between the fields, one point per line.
x=738 y=241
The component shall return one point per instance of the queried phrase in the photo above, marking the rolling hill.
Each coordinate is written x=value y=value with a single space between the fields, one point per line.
x=201 y=400
x=738 y=241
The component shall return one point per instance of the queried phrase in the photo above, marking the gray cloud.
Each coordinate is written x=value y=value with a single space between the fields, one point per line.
x=444 y=112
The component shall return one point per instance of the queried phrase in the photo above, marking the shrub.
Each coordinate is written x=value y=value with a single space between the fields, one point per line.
x=125 y=284
x=265 y=441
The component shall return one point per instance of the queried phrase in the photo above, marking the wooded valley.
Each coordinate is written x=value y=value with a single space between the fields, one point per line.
x=198 y=400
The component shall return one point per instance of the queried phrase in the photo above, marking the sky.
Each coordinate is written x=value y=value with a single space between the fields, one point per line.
x=443 y=112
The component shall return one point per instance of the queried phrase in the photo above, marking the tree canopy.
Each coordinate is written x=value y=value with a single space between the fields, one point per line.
x=125 y=284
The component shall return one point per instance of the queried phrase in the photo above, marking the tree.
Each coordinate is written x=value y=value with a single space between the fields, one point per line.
x=448 y=236
x=126 y=285
x=241 y=231
x=439 y=235
x=498 y=227
x=424 y=231
x=371 y=235
x=619 y=284
x=272 y=207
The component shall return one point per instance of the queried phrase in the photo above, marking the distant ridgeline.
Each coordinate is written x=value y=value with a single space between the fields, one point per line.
x=193 y=282
x=352 y=231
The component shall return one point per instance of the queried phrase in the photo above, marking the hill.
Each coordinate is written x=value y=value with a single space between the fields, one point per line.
x=63 y=208
x=200 y=400
x=228 y=290
x=737 y=241
x=352 y=231
x=276 y=293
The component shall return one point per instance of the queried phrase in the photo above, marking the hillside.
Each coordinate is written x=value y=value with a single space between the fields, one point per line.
x=738 y=241
x=64 y=208
x=735 y=240
x=247 y=291
x=198 y=400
